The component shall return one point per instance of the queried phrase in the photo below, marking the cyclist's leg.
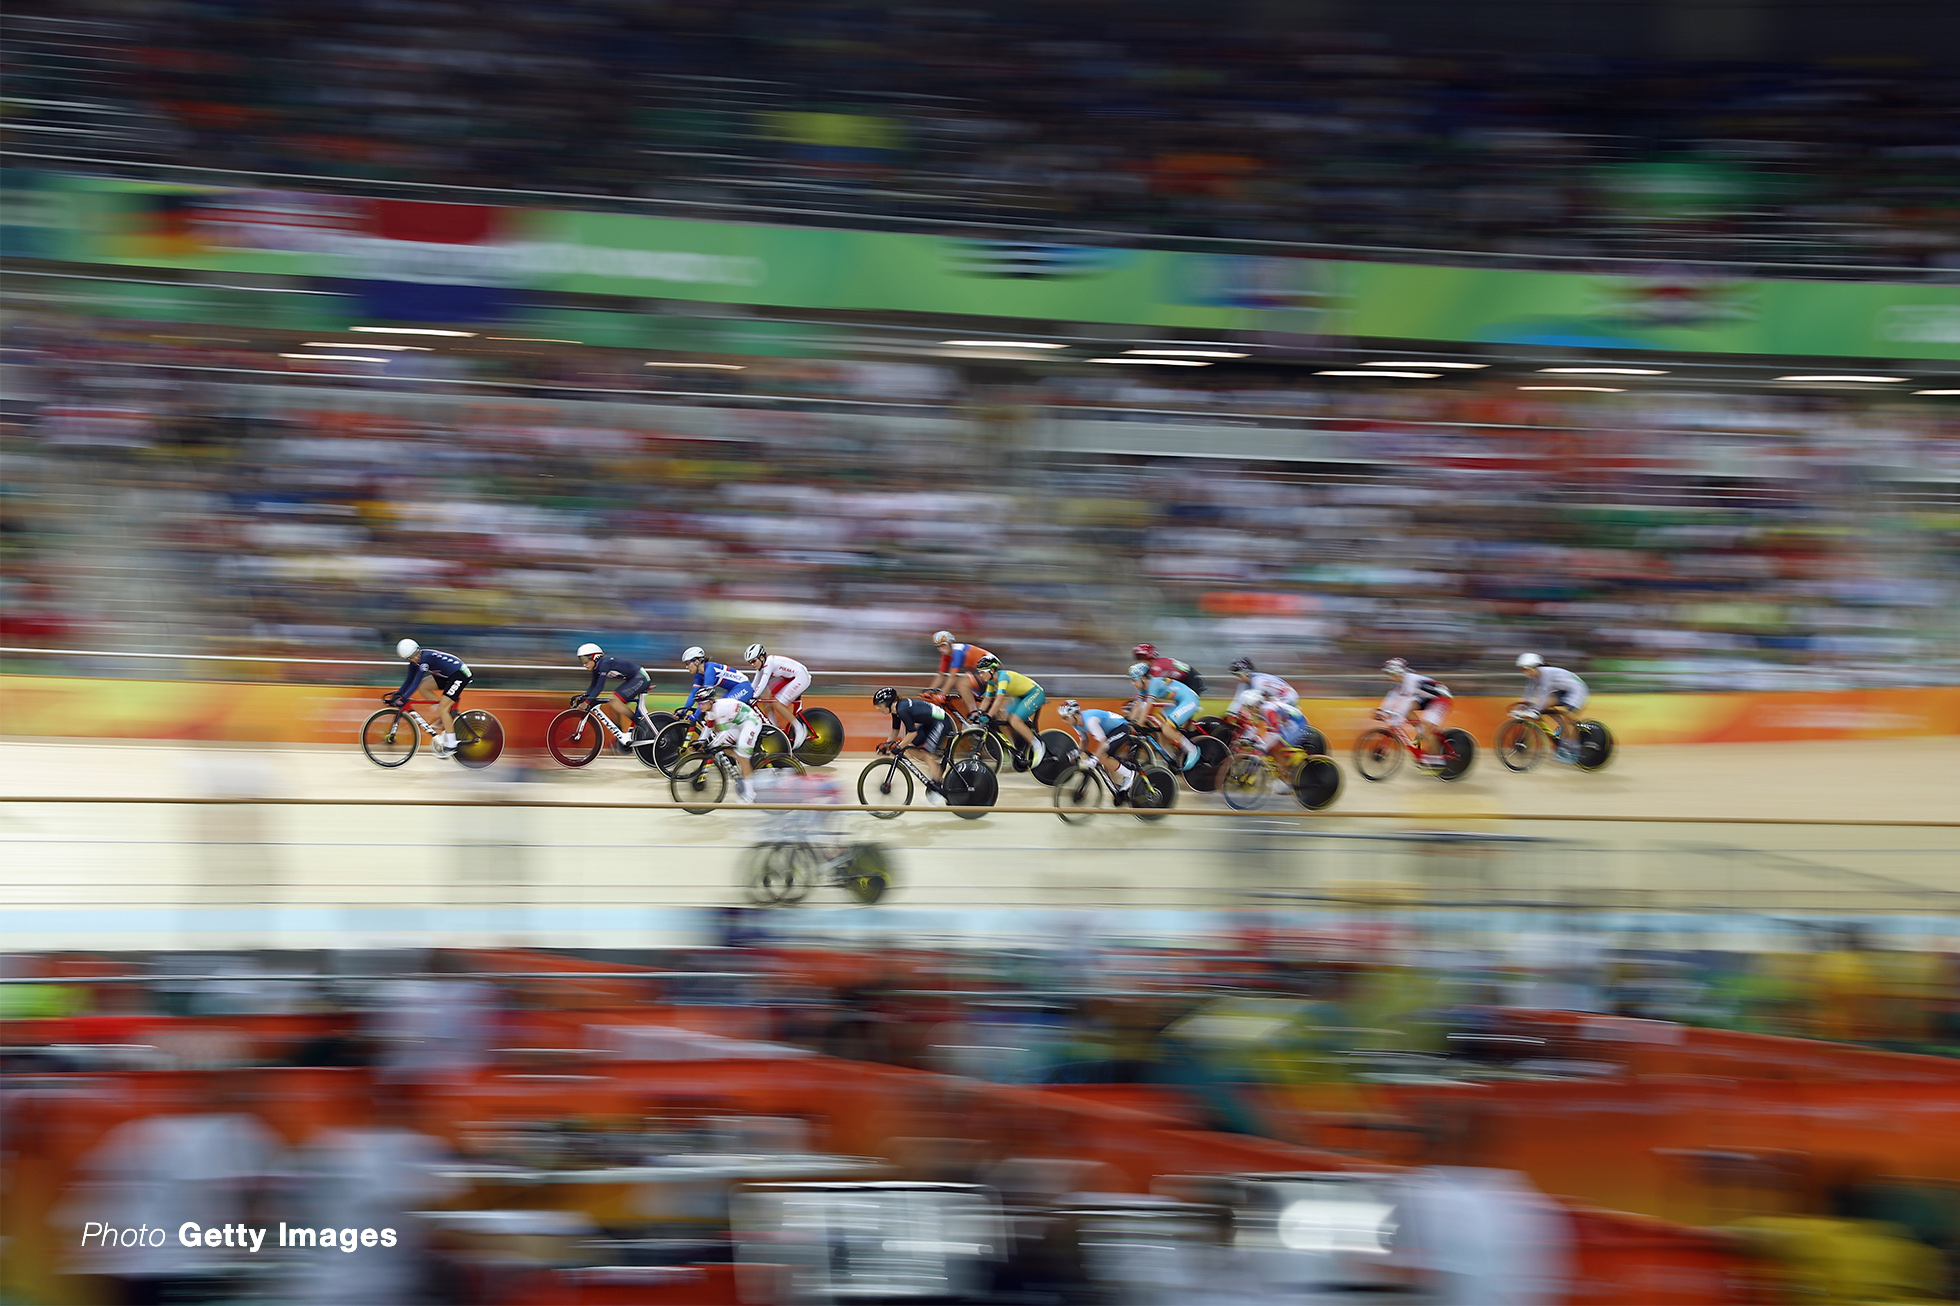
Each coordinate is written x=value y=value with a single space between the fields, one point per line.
x=1429 y=730
x=926 y=742
x=448 y=694
x=789 y=694
x=1020 y=715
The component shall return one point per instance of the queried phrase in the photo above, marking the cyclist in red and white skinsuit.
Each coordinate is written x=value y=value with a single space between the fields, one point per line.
x=1427 y=700
x=779 y=683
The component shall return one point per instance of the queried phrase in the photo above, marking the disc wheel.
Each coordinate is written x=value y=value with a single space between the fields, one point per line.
x=1595 y=745
x=1316 y=782
x=1519 y=745
x=1058 y=751
x=867 y=875
x=1378 y=754
x=1244 y=783
x=1315 y=743
x=970 y=789
x=1459 y=753
x=1212 y=756
x=389 y=737
x=1217 y=727
x=1152 y=793
x=823 y=739
x=772 y=742
x=1079 y=793
x=672 y=743
x=696 y=783
x=886 y=787
x=645 y=734
x=573 y=738
x=977 y=744
x=479 y=739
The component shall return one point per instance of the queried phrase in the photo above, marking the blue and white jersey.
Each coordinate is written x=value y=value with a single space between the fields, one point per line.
x=1095 y=723
x=718 y=679
x=1174 y=694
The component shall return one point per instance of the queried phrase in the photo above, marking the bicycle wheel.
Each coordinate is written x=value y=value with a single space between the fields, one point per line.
x=479 y=739
x=1212 y=756
x=1378 y=754
x=672 y=743
x=389 y=737
x=1316 y=782
x=645 y=733
x=866 y=873
x=1079 y=793
x=774 y=762
x=886 y=786
x=1152 y=793
x=573 y=738
x=823 y=737
x=1215 y=726
x=970 y=789
x=1244 y=783
x=1315 y=743
x=976 y=744
x=1519 y=745
x=781 y=873
x=772 y=742
x=1459 y=752
x=1595 y=745
x=697 y=783
x=1058 y=751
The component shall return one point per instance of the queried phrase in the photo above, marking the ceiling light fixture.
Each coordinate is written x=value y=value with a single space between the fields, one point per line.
x=411 y=331
x=1414 y=376
x=1004 y=344
x=1841 y=378
x=534 y=340
x=355 y=344
x=1603 y=371
x=1411 y=362
x=1937 y=392
x=716 y=367
x=1151 y=362
x=1595 y=389
x=1187 y=353
x=339 y=358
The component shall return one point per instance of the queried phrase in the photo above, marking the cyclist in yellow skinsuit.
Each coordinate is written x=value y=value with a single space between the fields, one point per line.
x=1012 y=697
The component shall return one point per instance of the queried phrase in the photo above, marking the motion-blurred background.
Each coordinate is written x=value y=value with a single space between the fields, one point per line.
x=1304 y=330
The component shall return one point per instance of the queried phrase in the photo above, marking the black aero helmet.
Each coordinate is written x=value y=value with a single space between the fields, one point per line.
x=884 y=697
x=1241 y=664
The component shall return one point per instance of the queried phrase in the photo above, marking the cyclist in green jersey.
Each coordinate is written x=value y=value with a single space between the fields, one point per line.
x=1012 y=697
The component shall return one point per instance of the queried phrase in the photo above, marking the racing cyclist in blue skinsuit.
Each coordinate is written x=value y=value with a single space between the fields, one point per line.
x=633 y=684
x=1098 y=730
x=714 y=680
x=1169 y=701
x=452 y=677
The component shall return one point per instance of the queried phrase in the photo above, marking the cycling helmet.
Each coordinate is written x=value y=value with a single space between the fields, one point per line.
x=407 y=649
x=988 y=663
x=1138 y=670
x=1069 y=710
x=589 y=651
x=1529 y=662
x=884 y=697
x=694 y=653
x=754 y=653
x=1241 y=665
x=1396 y=667
x=942 y=636
x=1144 y=652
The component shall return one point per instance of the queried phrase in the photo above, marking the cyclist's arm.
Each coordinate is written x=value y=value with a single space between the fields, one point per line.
x=414 y=677
x=597 y=689
x=693 y=693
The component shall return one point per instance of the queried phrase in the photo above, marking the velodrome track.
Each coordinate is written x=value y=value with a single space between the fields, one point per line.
x=435 y=854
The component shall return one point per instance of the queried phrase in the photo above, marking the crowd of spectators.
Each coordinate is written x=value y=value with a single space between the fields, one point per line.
x=1685 y=538
x=1166 y=124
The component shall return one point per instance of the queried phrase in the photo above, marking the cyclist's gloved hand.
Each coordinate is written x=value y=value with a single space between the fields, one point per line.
x=391 y=700
x=979 y=717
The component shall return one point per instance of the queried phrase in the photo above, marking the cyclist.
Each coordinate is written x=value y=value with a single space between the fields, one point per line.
x=633 y=684
x=1171 y=703
x=1097 y=730
x=1280 y=724
x=1170 y=668
x=780 y=683
x=452 y=677
x=1556 y=691
x=1414 y=693
x=1013 y=698
x=929 y=724
x=712 y=679
x=1259 y=682
x=957 y=665
x=737 y=725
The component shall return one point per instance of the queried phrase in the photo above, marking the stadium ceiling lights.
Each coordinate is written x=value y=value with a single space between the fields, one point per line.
x=1595 y=389
x=412 y=331
x=1409 y=362
x=1603 y=371
x=355 y=344
x=1841 y=378
x=1151 y=362
x=1413 y=376
x=1004 y=344
x=533 y=340
x=1188 y=353
x=339 y=358
x=711 y=367
x=1937 y=392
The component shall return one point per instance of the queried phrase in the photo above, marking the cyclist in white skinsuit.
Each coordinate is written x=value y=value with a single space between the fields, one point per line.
x=1426 y=699
x=1253 y=682
x=1557 y=691
x=737 y=724
x=780 y=681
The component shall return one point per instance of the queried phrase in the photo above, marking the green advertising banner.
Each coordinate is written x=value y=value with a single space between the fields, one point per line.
x=374 y=241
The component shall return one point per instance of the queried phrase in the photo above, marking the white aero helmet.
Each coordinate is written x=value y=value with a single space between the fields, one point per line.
x=694 y=653
x=407 y=649
x=1529 y=662
x=589 y=650
x=754 y=653
x=1138 y=670
x=725 y=709
x=1396 y=667
x=1069 y=710
x=942 y=636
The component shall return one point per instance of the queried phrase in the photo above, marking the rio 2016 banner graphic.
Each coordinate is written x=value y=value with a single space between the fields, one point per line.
x=457 y=256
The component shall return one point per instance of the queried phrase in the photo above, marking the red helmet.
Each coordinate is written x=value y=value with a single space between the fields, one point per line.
x=1144 y=652
x=1163 y=667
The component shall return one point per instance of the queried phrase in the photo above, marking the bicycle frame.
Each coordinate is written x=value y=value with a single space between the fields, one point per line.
x=597 y=711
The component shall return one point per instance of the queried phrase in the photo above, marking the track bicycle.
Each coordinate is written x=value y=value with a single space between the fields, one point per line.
x=889 y=782
x=390 y=736
x=1528 y=735
x=1314 y=779
x=1378 y=752
x=823 y=731
x=782 y=872
x=575 y=736
x=684 y=732
x=1083 y=787
x=1229 y=728
x=1144 y=748
x=702 y=775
